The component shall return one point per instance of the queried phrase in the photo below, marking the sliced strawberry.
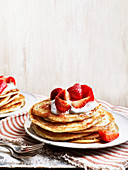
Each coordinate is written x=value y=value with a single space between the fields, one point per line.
x=75 y=92
x=10 y=80
x=3 y=85
x=2 y=77
x=87 y=91
x=64 y=94
x=61 y=105
x=108 y=136
x=80 y=103
x=55 y=92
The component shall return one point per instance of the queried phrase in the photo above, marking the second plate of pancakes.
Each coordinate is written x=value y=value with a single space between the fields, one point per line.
x=22 y=103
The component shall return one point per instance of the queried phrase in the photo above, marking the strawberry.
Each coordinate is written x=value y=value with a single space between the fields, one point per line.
x=80 y=103
x=2 y=77
x=64 y=94
x=61 y=105
x=75 y=92
x=87 y=91
x=55 y=92
x=108 y=136
x=10 y=80
x=3 y=85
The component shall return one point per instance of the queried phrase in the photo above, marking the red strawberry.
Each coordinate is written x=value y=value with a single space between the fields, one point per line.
x=1 y=77
x=3 y=85
x=75 y=92
x=10 y=80
x=108 y=136
x=80 y=103
x=61 y=105
x=87 y=91
x=64 y=94
x=55 y=92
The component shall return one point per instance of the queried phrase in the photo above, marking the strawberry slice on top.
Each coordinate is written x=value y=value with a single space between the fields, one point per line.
x=3 y=85
x=87 y=91
x=61 y=105
x=11 y=80
x=75 y=92
x=64 y=94
x=55 y=92
x=80 y=103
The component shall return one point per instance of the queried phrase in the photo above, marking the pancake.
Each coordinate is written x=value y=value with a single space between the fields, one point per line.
x=12 y=108
x=107 y=123
x=86 y=141
x=94 y=137
x=43 y=109
x=4 y=100
x=66 y=127
x=56 y=136
x=18 y=99
x=14 y=102
x=9 y=93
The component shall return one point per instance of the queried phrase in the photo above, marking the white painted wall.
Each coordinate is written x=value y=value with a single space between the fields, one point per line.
x=51 y=43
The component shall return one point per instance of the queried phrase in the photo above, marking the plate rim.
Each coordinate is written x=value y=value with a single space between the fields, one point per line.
x=73 y=145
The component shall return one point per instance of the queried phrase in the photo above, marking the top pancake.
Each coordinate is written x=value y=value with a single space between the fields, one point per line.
x=43 y=109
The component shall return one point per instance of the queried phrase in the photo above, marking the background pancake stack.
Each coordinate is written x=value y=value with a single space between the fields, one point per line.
x=73 y=127
x=10 y=97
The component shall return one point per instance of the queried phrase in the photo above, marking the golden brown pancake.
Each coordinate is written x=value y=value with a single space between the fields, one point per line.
x=43 y=109
x=12 y=108
x=9 y=93
x=18 y=99
x=65 y=127
x=56 y=136
x=94 y=137
x=106 y=123
x=4 y=100
x=11 y=101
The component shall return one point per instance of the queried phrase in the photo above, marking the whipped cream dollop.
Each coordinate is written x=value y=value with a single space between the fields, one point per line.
x=10 y=86
x=88 y=107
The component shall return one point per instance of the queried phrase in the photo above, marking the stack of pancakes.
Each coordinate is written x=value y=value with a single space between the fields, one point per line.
x=73 y=127
x=11 y=101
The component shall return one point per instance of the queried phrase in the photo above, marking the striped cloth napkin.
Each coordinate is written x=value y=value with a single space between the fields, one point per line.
x=12 y=129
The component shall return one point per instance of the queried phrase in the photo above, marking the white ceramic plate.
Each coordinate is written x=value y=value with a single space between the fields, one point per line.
x=122 y=123
x=30 y=99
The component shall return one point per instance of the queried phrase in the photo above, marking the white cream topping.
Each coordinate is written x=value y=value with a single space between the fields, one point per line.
x=89 y=106
x=10 y=86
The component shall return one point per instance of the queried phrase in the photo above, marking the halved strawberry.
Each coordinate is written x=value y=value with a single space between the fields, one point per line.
x=108 y=136
x=75 y=92
x=64 y=94
x=80 y=103
x=55 y=92
x=11 y=80
x=61 y=105
x=3 y=85
x=87 y=91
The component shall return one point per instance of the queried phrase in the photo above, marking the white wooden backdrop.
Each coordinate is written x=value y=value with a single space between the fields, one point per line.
x=51 y=43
